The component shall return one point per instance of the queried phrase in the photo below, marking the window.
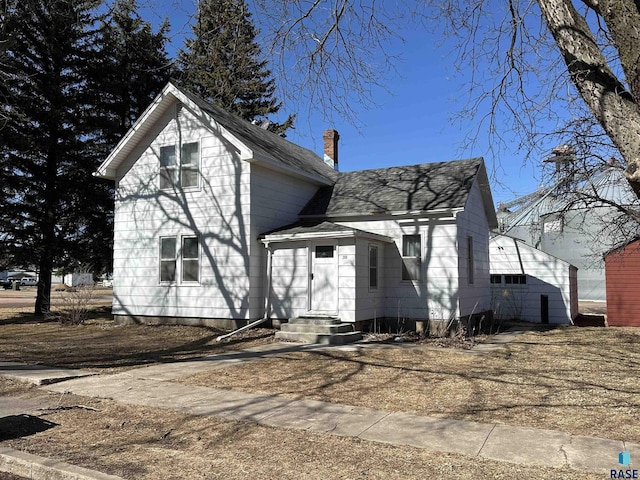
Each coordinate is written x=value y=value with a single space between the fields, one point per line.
x=168 y=167
x=190 y=259
x=373 y=267
x=189 y=165
x=470 y=262
x=496 y=278
x=411 y=257
x=168 y=259
x=324 y=251
x=185 y=176
x=515 y=279
x=189 y=255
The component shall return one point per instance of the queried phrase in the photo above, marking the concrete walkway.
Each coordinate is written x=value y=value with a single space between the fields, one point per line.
x=153 y=387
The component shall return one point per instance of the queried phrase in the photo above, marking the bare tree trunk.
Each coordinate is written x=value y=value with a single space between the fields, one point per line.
x=606 y=96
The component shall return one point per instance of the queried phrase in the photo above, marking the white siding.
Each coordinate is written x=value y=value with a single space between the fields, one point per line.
x=369 y=302
x=276 y=200
x=435 y=296
x=546 y=275
x=472 y=222
x=218 y=211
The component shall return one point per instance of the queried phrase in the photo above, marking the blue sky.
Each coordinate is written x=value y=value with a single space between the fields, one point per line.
x=412 y=122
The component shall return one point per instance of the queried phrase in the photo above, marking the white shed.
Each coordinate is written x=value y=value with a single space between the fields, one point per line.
x=531 y=285
x=78 y=279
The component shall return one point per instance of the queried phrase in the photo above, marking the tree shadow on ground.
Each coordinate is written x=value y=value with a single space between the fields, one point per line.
x=16 y=426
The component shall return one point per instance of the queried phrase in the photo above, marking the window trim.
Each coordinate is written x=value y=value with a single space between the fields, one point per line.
x=171 y=170
x=413 y=258
x=190 y=167
x=163 y=260
x=183 y=258
x=376 y=268
x=179 y=259
x=178 y=169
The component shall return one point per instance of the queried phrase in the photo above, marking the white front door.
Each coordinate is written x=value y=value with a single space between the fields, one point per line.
x=324 y=277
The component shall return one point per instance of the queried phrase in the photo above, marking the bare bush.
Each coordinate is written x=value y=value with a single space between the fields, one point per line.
x=76 y=303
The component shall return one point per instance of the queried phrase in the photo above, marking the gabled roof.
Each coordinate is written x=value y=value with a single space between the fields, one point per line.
x=414 y=188
x=319 y=229
x=256 y=144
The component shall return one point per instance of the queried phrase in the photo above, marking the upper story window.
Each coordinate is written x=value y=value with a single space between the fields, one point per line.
x=411 y=257
x=168 y=167
x=179 y=170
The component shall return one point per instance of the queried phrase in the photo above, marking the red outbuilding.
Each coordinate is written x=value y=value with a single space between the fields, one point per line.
x=622 y=271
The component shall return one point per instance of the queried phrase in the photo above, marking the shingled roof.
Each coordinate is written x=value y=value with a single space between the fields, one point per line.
x=424 y=187
x=264 y=143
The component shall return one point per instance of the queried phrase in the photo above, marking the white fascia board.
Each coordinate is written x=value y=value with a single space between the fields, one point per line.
x=108 y=168
x=277 y=238
x=440 y=213
x=271 y=164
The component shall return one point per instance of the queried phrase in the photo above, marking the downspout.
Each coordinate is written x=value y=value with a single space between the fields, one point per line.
x=267 y=300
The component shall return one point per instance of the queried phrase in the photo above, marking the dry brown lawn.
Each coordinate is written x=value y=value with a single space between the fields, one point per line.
x=580 y=380
x=149 y=444
x=102 y=344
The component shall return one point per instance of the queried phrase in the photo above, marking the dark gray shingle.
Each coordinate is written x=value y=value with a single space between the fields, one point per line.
x=265 y=143
x=424 y=187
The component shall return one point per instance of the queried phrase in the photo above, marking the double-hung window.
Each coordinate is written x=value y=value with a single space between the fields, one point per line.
x=411 y=257
x=189 y=157
x=168 y=167
x=190 y=259
x=168 y=253
x=179 y=258
x=179 y=170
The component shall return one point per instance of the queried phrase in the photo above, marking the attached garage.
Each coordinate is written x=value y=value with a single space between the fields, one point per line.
x=622 y=271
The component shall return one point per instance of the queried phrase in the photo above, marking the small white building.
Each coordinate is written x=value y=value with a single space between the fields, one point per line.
x=78 y=279
x=531 y=285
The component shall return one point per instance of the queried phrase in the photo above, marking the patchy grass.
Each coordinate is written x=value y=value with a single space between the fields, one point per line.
x=144 y=443
x=100 y=343
x=579 y=380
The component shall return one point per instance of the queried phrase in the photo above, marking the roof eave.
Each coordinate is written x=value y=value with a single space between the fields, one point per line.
x=108 y=169
x=279 y=238
x=437 y=212
x=272 y=164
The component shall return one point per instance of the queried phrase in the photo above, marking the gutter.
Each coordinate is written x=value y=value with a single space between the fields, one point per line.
x=267 y=300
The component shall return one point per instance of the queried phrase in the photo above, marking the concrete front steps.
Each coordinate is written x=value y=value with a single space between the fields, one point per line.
x=320 y=329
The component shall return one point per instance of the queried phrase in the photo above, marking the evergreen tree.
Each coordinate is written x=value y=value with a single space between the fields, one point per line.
x=46 y=181
x=223 y=63
x=130 y=69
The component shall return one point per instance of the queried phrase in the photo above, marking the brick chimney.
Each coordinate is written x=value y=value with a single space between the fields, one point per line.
x=331 y=138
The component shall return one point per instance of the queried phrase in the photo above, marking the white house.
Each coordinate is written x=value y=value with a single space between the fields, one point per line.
x=531 y=285
x=218 y=221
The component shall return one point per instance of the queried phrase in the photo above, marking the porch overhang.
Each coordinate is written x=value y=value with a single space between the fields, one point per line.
x=322 y=230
